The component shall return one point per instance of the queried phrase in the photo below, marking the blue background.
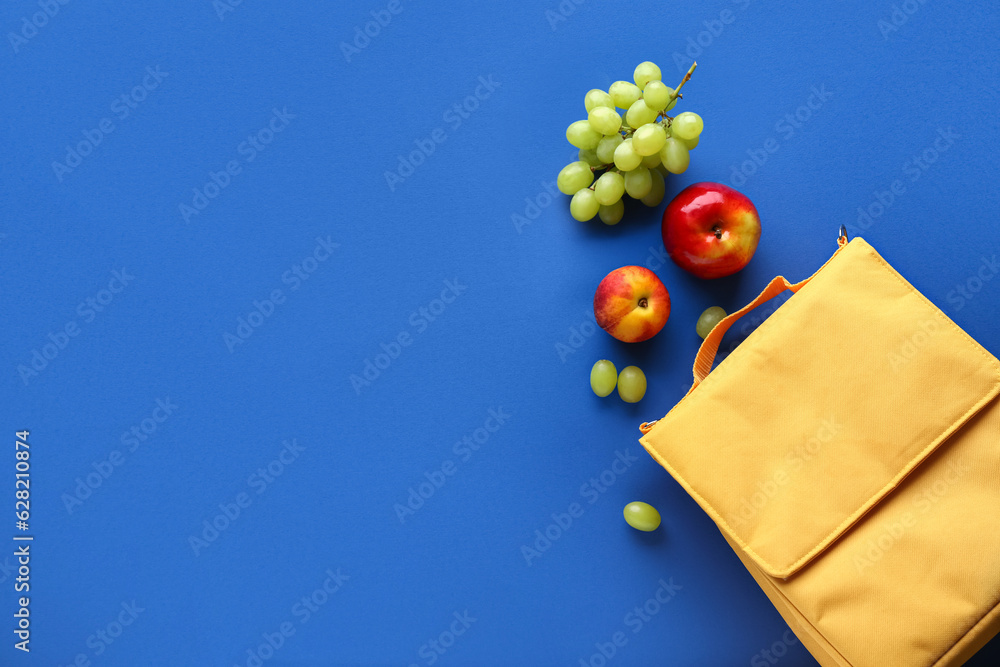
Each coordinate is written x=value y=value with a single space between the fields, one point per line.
x=525 y=289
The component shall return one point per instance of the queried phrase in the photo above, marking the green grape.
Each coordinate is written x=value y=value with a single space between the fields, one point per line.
x=639 y=114
x=604 y=120
x=708 y=319
x=609 y=188
x=624 y=93
x=650 y=161
x=589 y=155
x=583 y=206
x=612 y=215
x=582 y=135
x=631 y=384
x=673 y=100
x=646 y=72
x=638 y=183
x=626 y=158
x=687 y=125
x=642 y=516
x=603 y=377
x=574 y=177
x=648 y=139
x=656 y=95
x=606 y=149
x=674 y=156
x=691 y=143
x=656 y=190
x=597 y=98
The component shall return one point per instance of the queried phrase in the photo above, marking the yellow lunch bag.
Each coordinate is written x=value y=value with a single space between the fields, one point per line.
x=849 y=451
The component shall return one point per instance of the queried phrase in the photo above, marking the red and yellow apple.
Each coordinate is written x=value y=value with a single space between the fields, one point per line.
x=710 y=230
x=631 y=304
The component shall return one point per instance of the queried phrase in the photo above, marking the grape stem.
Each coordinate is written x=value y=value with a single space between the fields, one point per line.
x=677 y=91
x=687 y=77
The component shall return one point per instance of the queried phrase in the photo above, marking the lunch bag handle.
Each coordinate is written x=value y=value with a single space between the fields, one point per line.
x=705 y=358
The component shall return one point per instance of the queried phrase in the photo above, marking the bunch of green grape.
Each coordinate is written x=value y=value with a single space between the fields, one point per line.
x=634 y=148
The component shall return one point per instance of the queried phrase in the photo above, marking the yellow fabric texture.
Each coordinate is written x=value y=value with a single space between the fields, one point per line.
x=849 y=451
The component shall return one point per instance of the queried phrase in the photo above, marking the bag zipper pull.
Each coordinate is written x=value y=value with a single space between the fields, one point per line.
x=645 y=427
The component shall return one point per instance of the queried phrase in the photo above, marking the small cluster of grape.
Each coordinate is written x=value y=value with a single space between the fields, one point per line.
x=634 y=152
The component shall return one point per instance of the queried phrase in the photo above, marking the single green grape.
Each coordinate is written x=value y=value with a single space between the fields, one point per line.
x=604 y=120
x=624 y=93
x=638 y=183
x=597 y=98
x=639 y=114
x=657 y=189
x=603 y=378
x=691 y=143
x=708 y=319
x=606 y=149
x=609 y=188
x=642 y=516
x=583 y=206
x=573 y=177
x=582 y=135
x=626 y=158
x=649 y=139
x=674 y=156
x=631 y=384
x=612 y=215
x=651 y=161
x=687 y=125
x=656 y=95
x=646 y=72
x=589 y=155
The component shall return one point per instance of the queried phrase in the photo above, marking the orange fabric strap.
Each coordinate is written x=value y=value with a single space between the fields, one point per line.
x=705 y=358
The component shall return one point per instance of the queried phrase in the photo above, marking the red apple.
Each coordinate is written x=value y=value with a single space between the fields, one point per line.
x=710 y=230
x=631 y=304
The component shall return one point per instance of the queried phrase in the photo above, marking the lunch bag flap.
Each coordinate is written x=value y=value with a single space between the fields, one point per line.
x=821 y=412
